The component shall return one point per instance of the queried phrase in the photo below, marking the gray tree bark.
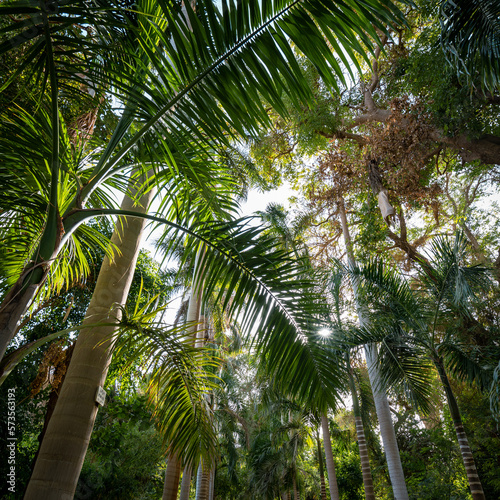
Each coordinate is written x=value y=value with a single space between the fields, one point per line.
x=202 y=483
x=186 y=482
x=467 y=457
x=360 y=433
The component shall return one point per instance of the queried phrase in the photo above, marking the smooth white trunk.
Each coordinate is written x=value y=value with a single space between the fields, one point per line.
x=65 y=443
x=380 y=398
x=387 y=432
x=186 y=483
x=330 y=464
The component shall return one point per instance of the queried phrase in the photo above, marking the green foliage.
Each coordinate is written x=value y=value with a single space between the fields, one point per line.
x=470 y=36
x=431 y=461
x=126 y=457
x=421 y=69
x=372 y=230
x=349 y=477
x=29 y=417
x=57 y=313
x=483 y=435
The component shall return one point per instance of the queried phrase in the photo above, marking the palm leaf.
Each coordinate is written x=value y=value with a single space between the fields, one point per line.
x=461 y=364
x=274 y=299
x=180 y=379
x=470 y=37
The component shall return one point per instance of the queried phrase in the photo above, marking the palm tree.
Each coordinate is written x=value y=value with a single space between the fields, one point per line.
x=170 y=63
x=330 y=464
x=412 y=324
x=179 y=84
x=379 y=396
x=335 y=285
x=470 y=37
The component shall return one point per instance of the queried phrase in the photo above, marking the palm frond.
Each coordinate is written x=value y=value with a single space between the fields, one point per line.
x=470 y=37
x=401 y=359
x=463 y=363
x=180 y=380
x=274 y=299
x=453 y=282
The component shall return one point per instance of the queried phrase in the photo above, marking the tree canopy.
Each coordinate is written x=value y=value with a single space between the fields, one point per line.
x=235 y=359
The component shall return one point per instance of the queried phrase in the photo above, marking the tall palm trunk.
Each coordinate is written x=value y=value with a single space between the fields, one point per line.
x=330 y=464
x=470 y=467
x=186 y=482
x=172 y=476
x=363 y=449
x=321 y=468
x=12 y=308
x=380 y=398
x=211 y=486
x=202 y=483
x=63 y=449
x=387 y=432
x=295 y=490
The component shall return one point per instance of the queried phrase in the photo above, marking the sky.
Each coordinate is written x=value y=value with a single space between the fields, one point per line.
x=258 y=201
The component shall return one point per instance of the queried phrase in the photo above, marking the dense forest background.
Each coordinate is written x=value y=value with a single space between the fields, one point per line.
x=345 y=347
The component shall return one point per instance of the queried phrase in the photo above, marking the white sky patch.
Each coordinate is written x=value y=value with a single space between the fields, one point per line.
x=258 y=201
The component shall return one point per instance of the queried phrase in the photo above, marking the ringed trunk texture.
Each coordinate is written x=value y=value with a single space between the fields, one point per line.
x=380 y=398
x=365 y=461
x=202 y=483
x=56 y=472
x=363 y=449
x=321 y=469
x=330 y=464
x=186 y=482
x=211 y=489
x=475 y=485
x=172 y=476
x=295 y=491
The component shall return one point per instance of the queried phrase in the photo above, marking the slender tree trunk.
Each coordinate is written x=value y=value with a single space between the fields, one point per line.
x=363 y=449
x=211 y=491
x=186 y=482
x=295 y=491
x=387 y=432
x=12 y=308
x=63 y=449
x=202 y=483
x=321 y=468
x=380 y=398
x=330 y=464
x=172 y=476
x=475 y=485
